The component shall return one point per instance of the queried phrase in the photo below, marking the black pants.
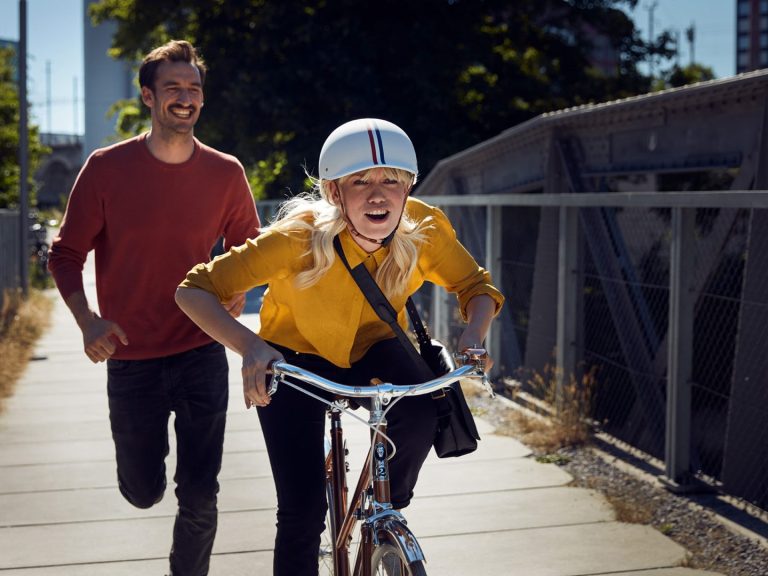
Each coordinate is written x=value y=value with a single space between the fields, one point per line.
x=142 y=394
x=294 y=426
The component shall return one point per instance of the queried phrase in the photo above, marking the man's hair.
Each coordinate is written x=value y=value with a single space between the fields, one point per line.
x=173 y=51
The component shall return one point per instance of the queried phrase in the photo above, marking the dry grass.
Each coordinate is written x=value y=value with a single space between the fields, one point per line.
x=542 y=435
x=22 y=322
x=557 y=418
x=552 y=434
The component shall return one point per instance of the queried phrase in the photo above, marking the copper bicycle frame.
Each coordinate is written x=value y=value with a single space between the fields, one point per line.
x=346 y=517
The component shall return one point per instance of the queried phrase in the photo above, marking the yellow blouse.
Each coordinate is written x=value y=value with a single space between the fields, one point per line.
x=332 y=318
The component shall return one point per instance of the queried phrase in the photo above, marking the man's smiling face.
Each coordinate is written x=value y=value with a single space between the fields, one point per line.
x=176 y=99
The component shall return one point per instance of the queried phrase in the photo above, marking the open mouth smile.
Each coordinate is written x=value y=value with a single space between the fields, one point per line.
x=377 y=215
x=181 y=112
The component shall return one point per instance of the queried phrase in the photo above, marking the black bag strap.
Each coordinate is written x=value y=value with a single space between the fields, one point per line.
x=376 y=299
x=422 y=336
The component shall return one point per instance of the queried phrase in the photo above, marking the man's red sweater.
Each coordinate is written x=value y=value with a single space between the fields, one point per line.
x=149 y=223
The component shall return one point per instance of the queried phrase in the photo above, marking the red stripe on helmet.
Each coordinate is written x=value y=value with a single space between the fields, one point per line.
x=373 y=146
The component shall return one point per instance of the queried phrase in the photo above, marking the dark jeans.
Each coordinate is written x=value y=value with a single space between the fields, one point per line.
x=142 y=395
x=293 y=426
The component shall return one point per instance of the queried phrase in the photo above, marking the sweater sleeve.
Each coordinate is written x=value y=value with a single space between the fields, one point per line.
x=242 y=221
x=82 y=223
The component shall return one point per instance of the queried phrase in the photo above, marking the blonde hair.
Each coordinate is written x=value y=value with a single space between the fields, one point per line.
x=315 y=213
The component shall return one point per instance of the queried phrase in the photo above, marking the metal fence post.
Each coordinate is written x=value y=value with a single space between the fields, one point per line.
x=440 y=328
x=680 y=357
x=493 y=265
x=567 y=292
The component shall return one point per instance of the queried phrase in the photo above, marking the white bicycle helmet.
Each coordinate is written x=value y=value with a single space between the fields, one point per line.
x=363 y=144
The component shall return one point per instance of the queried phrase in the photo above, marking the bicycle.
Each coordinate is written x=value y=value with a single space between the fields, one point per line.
x=385 y=546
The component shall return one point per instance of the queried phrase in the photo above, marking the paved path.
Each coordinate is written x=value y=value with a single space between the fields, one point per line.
x=496 y=512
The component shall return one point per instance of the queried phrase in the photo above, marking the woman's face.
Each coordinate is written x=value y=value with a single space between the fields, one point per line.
x=373 y=201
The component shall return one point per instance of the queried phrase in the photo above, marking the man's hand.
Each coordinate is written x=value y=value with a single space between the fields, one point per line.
x=98 y=334
x=235 y=305
x=99 y=338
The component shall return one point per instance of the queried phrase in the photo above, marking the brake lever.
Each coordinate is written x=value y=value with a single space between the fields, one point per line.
x=273 y=384
x=487 y=386
x=477 y=357
x=277 y=378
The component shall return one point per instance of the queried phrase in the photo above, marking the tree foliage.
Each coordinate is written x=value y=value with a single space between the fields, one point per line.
x=680 y=76
x=452 y=73
x=10 y=170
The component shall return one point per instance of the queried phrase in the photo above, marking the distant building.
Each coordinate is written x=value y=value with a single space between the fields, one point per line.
x=58 y=170
x=751 y=35
x=106 y=81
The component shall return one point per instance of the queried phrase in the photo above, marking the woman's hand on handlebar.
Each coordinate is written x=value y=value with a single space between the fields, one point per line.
x=469 y=341
x=480 y=311
x=256 y=363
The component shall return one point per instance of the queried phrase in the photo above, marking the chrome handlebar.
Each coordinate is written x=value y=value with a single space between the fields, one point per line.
x=471 y=365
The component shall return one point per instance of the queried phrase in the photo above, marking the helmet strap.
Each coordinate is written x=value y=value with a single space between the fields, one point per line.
x=351 y=226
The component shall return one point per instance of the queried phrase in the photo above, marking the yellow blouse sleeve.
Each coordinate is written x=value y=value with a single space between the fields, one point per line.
x=269 y=256
x=446 y=262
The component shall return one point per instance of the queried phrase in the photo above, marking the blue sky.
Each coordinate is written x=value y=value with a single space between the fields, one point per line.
x=55 y=42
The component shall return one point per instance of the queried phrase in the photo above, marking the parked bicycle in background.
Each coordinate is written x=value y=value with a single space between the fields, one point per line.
x=39 y=244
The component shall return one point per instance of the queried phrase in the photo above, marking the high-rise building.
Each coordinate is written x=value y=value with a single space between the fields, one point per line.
x=106 y=81
x=751 y=35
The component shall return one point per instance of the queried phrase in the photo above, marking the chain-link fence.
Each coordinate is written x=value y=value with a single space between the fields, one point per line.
x=634 y=303
x=9 y=251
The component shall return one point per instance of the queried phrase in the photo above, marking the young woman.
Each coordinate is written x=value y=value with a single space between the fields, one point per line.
x=315 y=316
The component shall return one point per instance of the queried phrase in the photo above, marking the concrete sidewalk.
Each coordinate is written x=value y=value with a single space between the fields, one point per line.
x=496 y=512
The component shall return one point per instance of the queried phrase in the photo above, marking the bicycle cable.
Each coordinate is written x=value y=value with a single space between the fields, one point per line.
x=337 y=404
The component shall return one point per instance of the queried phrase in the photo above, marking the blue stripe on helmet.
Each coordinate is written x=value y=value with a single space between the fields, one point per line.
x=381 y=144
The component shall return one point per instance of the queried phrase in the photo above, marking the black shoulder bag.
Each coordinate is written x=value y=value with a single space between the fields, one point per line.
x=456 y=431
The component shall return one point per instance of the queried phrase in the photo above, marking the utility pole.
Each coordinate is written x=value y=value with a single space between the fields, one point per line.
x=48 y=122
x=23 y=152
x=76 y=106
x=651 y=62
x=690 y=33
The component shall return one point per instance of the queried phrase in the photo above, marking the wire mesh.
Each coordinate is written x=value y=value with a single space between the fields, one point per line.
x=623 y=317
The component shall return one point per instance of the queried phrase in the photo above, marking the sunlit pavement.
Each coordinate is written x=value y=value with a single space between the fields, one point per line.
x=496 y=512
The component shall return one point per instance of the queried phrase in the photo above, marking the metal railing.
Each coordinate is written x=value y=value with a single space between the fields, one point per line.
x=10 y=273
x=662 y=295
